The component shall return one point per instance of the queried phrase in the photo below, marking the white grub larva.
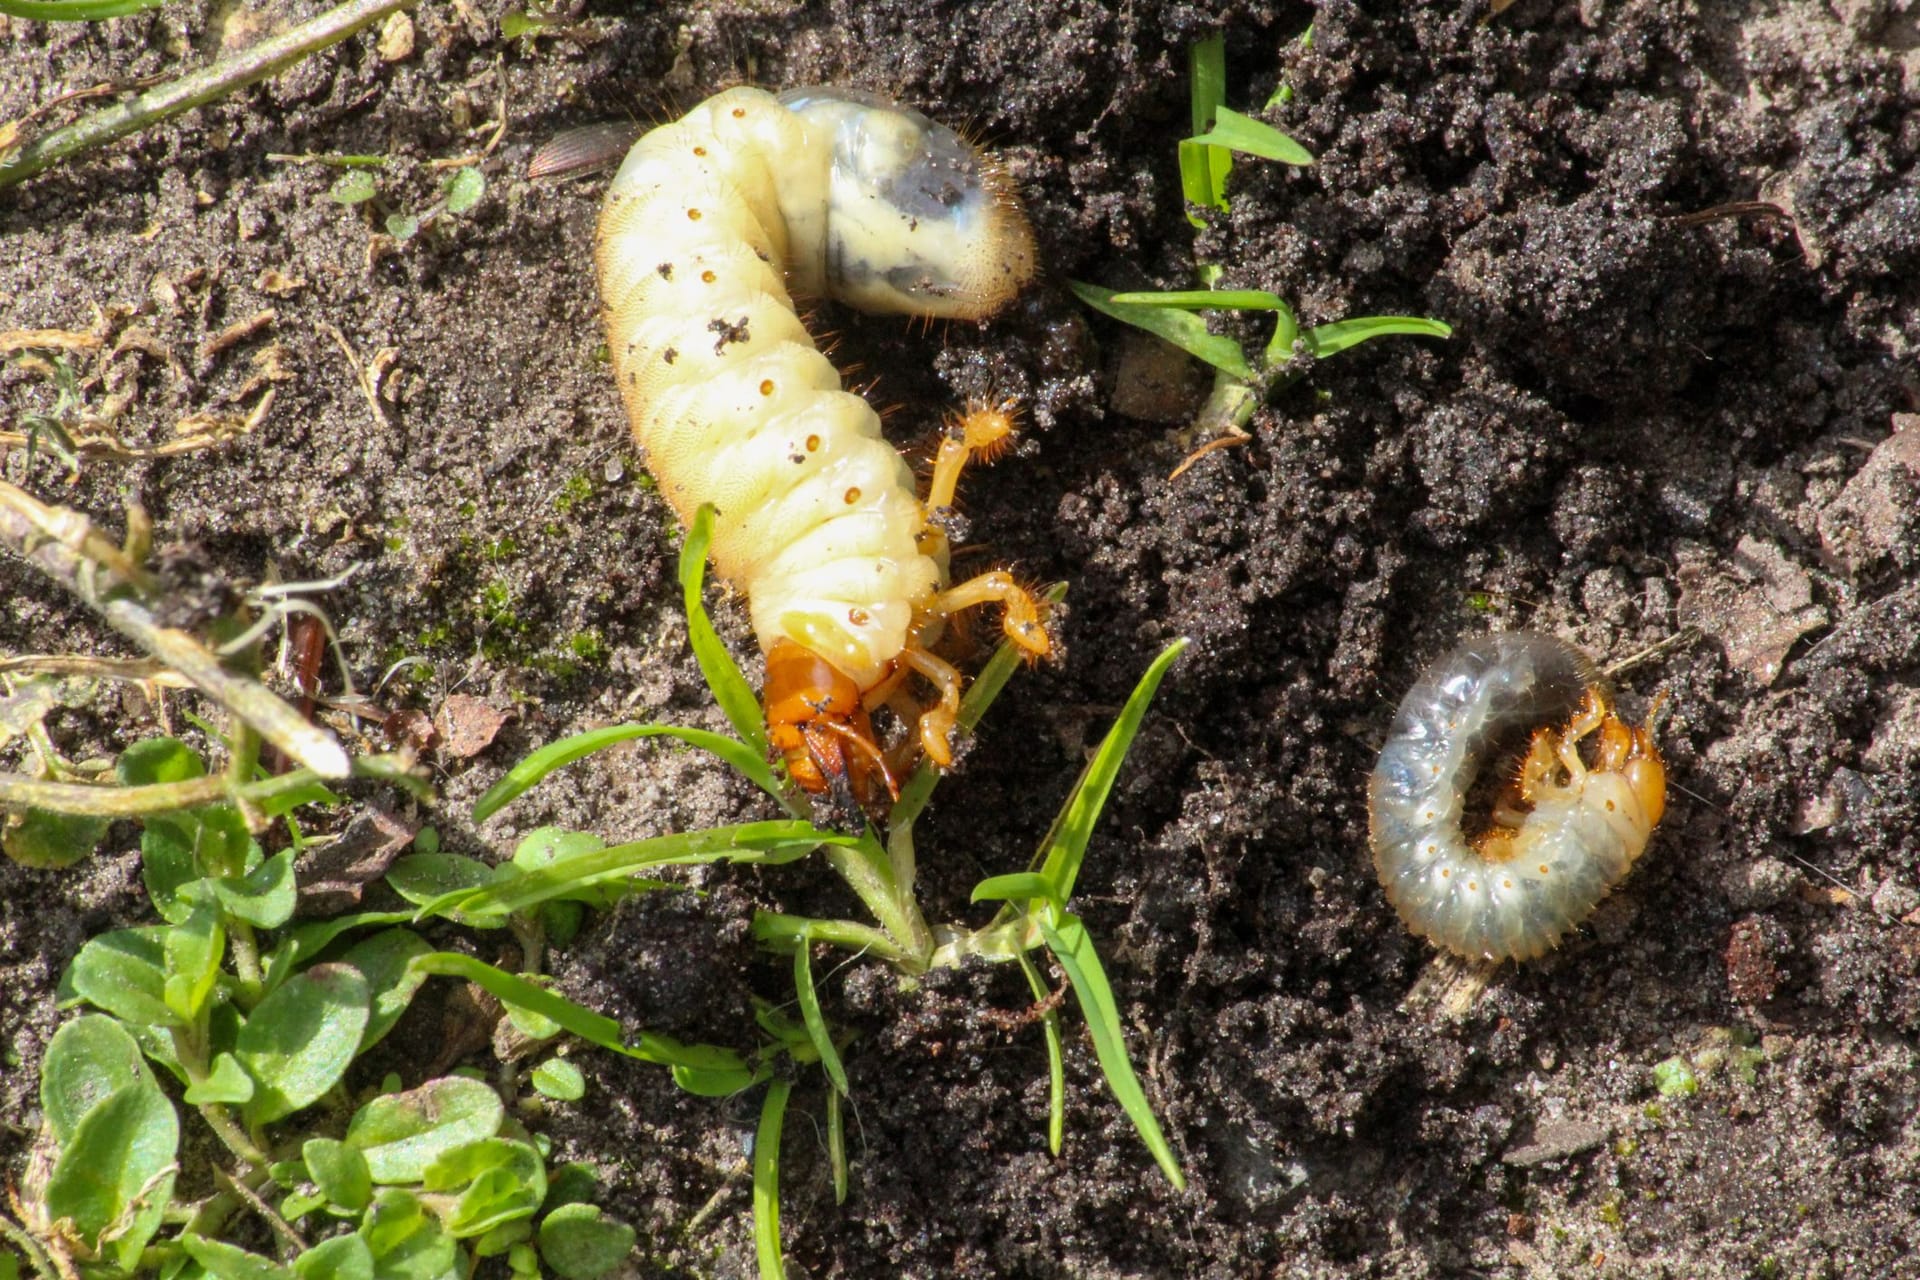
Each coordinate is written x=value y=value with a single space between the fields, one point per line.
x=1561 y=832
x=711 y=226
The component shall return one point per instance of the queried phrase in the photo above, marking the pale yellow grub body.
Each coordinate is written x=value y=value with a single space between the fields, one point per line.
x=712 y=226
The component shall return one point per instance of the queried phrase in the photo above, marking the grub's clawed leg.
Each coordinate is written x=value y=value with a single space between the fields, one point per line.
x=937 y=722
x=1022 y=621
x=982 y=433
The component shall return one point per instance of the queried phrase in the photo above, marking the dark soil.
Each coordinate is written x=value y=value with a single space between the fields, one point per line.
x=1660 y=422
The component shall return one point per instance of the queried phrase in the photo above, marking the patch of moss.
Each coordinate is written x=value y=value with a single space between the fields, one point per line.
x=576 y=490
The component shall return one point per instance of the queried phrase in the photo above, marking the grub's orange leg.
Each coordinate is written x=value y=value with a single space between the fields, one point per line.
x=937 y=722
x=982 y=432
x=1022 y=621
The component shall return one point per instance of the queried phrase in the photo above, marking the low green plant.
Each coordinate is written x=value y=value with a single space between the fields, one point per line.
x=1243 y=379
x=555 y=867
x=257 y=1020
x=460 y=191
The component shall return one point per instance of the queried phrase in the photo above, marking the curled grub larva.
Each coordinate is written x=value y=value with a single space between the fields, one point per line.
x=710 y=227
x=1561 y=832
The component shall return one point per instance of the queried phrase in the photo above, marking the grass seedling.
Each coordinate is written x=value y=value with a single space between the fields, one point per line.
x=1243 y=380
x=877 y=865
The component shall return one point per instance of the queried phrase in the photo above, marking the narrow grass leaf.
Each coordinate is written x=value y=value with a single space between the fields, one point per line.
x=1204 y=169
x=730 y=688
x=1056 y=1057
x=74 y=10
x=1252 y=137
x=1070 y=943
x=1204 y=300
x=758 y=842
x=1331 y=339
x=557 y=755
x=595 y=1028
x=817 y=1030
x=1182 y=328
x=837 y=1145
x=766 y=1181
x=1066 y=844
x=1016 y=886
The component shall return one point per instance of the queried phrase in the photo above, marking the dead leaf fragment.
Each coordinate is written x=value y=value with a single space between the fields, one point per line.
x=333 y=878
x=466 y=725
x=1556 y=1140
x=1757 y=604
x=1877 y=515
x=278 y=283
x=396 y=38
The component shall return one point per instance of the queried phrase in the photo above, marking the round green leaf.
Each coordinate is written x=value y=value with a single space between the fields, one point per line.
x=355 y=186
x=340 y=1171
x=406 y=1240
x=113 y=1177
x=298 y=1042
x=402 y=1133
x=341 y=1258
x=88 y=1060
x=124 y=973
x=265 y=896
x=580 y=1244
x=385 y=960
x=226 y=1082
x=464 y=189
x=502 y=1181
x=158 y=760
x=49 y=841
x=560 y=1080
x=230 y=1262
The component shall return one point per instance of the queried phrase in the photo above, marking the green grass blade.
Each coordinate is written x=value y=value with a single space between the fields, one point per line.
x=1066 y=844
x=74 y=10
x=730 y=688
x=1251 y=137
x=1067 y=938
x=1182 y=328
x=766 y=842
x=596 y=1028
x=816 y=1021
x=1205 y=300
x=555 y=756
x=1204 y=169
x=1015 y=887
x=1331 y=339
x=1207 y=76
x=837 y=1145
x=766 y=1181
x=1056 y=1057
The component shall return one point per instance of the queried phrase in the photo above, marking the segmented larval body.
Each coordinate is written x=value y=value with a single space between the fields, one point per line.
x=1562 y=832
x=712 y=225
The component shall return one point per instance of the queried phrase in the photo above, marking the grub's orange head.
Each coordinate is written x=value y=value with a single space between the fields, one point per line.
x=1631 y=752
x=818 y=724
